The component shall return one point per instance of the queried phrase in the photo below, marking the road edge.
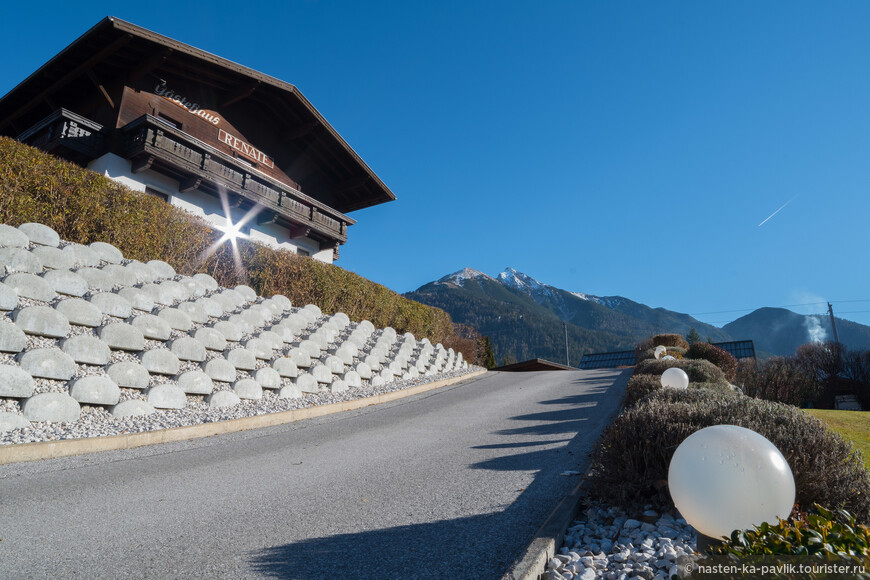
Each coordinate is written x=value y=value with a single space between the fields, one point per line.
x=68 y=447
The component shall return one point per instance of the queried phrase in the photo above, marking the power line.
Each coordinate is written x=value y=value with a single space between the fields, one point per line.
x=780 y=306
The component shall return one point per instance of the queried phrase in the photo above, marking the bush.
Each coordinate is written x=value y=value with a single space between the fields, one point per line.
x=640 y=386
x=719 y=357
x=630 y=464
x=650 y=353
x=648 y=346
x=699 y=371
x=84 y=207
x=780 y=379
x=820 y=533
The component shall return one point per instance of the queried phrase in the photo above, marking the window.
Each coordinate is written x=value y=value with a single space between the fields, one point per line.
x=156 y=193
x=301 y=252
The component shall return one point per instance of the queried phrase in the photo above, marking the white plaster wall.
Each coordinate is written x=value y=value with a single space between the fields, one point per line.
x=205 y=206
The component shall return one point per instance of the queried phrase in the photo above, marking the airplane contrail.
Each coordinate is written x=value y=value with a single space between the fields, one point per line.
x=777 y=211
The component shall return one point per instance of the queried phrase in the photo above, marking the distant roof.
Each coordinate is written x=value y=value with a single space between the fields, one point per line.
x=114 y=47
x=607 y=360
x=535 y=364
x=738 y=348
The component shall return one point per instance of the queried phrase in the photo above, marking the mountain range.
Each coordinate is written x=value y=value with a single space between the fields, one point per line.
x=525 y=318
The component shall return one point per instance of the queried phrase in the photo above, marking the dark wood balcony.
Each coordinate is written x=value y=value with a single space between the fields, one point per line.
x=68 y=135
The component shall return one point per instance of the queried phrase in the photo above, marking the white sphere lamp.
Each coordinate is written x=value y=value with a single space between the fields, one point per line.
x=675 y=378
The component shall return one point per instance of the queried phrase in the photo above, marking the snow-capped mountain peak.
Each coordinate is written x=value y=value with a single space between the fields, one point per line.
x=462 y=275
x=518 y=280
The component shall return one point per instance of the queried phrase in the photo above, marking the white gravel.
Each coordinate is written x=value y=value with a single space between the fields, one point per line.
x=611 y=544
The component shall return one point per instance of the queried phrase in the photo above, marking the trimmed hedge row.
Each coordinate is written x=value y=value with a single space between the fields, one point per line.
x=718 y=356
x=84 y=207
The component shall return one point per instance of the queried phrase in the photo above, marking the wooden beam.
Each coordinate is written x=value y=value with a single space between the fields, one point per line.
x=242 y=92
x=148 y=65
x=299 y=231
x=300 y=131
x=189 y=184
x=65 y=79
x=100 y=87
x=142 y=163
x=266 y=218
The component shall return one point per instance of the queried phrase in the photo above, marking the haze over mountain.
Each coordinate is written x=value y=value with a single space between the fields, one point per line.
x=525 y=318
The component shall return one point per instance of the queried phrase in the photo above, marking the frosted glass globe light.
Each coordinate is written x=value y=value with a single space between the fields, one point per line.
x=668 y=357
x=725 y=478
x=660 y=352
x=675 y=378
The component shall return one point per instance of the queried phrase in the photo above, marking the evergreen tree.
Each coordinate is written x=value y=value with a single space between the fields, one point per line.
x=693 y=336
x=488 y=355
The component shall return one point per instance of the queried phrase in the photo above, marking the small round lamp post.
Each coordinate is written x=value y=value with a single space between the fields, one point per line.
x=660 y=351
x=725 y=478
x=675 y=378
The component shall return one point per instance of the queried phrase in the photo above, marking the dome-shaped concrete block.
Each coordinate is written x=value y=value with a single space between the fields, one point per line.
x=247 y=293
x=223 y=399
x=15 y=382
x=299 y=357
x=41 y=321
x=107 y=252
x=166 y=396
x=80 y=312
x=367 y=326
x=352 y=379
x=8 y=297
x=143 y=272
x=259 y=347
x=337 y=386
x=290 y=392
x=283 y=301
x=321 y=373
x=13 y=238
x=244 y=325
x=54 y=258
x=122 y=336
x=230 y=331
x=207 y=281
x=82 y=256
x=387 y=374
x=160 y=361
x=20 y=260
x=307 y=383
x=237 y=299
x=363 y=370
x=285 y=367
x=98 y=390
x=187 y=348
x=242 y=359
x=40 y=234
x=137 y=299
x=284 y=331
x=10 y=421
x=347 y=352
x=379 y=381
x=357 y=340
x=373 y=362
x=112 y=304
x=88 y=350
x=226 y=301
x=297 y=320
x=313 y=309
x=412 y=373
x=120 y=275
x=66 y=282
x=211 y=307
x=396 y=368
x=273 y=339
x=195 y=311
x=152 y=327
x=421 y=365
x=248 y=389
x=310 y=347
x=195 y=383
x=219 y=369
x=268 y=378
x=158 y=294
x=12 y=338
x=255 y=316
x=211 y=339
x=176 y=319
x=163 y=270
x=51 y=407
x=334 y=364
x=131 y=375
x=132 y=408
x=194 y=288
x=97 y=279
x=30 y=286
x=390 y=333
x=274 y=307
x=176 y=290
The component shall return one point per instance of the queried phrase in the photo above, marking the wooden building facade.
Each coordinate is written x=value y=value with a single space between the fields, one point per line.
x=223 y=141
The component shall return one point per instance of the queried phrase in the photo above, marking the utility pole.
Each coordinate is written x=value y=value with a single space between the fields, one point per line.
x=833 y=323
x=567 y=361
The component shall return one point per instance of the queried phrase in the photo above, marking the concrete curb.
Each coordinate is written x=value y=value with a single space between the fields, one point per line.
x=69 y=447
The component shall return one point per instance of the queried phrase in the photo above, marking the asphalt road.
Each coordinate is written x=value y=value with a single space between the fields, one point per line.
x=447 y=484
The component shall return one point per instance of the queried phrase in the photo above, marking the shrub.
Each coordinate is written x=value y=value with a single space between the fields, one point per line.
x=649 y=345
x=821 y=532
x=699 y=371
x=719 y=357
x=84 y=207
x=780 y=379
x=639 y=386
x=630 y=464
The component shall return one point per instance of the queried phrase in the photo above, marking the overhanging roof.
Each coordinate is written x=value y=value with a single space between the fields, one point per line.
x=114 y=47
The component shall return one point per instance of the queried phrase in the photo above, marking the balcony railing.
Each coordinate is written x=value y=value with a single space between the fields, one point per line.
x=148 y=137
x=65 y=129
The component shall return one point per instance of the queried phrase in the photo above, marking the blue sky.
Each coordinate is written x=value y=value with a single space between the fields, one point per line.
x=613 y=148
